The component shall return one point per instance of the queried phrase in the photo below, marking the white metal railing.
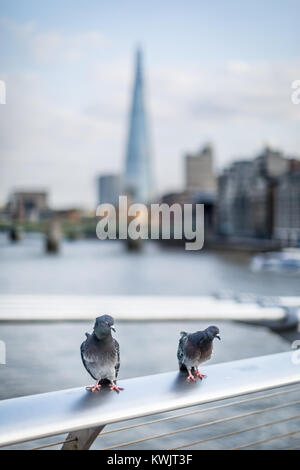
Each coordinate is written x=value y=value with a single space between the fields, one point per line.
x=83 y=414
x=136 y=308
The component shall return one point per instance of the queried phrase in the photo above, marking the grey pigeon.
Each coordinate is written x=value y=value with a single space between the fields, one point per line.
x=195 y=348
x=100 y=354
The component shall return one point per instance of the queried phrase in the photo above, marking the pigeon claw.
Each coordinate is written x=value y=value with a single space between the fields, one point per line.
x=191 y=378
x=94 y=388
x=199 y=375
x=113 y=386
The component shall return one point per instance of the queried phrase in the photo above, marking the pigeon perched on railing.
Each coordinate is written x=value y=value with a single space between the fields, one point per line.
x=195 y=348
x=100 y=354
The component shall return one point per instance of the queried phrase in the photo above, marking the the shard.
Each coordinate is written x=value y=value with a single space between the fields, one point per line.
x=138 y=175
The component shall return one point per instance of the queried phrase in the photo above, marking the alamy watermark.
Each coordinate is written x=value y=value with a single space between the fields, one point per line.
x=296 y=353
x=296 y=346
x=295 y=96
x=2 y=92
x=138 y=221
x=2 y=352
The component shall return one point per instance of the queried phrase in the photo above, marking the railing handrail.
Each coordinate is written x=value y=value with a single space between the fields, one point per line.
x=133 y=308
x=37 y=416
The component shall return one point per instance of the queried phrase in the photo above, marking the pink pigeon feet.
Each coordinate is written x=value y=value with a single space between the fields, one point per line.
x=95 y=388
x=200 y=376
x=191 y=378
x=113 y=386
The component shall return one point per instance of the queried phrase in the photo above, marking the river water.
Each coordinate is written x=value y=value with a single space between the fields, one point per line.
x=45 y=357
x=105 y=267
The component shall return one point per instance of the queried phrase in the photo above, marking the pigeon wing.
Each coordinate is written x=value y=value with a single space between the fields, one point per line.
x=117 y=348
x=180 y=350
x=87 y=359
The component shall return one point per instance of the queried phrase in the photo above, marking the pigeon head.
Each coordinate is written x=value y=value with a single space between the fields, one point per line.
x=103 y=326
x=213 y=332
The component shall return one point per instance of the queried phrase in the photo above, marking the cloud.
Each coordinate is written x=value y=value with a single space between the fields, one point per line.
x=46 y=144
x=238 y=90
x=53 y=47
x=60 y=129
x=20 y=30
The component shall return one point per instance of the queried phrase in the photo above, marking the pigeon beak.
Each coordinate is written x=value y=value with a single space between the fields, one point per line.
x=217 y=336
x=112 y=328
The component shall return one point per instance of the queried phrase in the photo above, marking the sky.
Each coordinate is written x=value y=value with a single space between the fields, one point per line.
x=218 y=72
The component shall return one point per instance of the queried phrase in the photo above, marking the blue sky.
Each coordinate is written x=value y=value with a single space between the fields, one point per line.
x=217 y=71
x=191 y=31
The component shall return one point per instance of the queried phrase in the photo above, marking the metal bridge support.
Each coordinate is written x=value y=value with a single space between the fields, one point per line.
x=82 y=440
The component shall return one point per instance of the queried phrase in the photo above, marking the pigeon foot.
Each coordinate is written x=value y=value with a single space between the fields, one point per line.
x=113 y=386
x=191 y=378
x=94 y=388
x=199 y=375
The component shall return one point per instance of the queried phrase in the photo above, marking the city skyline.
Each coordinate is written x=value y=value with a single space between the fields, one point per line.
x=68 y=88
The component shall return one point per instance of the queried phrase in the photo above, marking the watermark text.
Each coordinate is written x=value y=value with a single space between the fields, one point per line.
x=2 y=92
x=295 y=96
x=138 y=221
x=2 y=352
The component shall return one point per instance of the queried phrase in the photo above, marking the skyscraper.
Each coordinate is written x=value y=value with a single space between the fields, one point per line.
x=199 y=173
x=109 y=189
x=138 y=175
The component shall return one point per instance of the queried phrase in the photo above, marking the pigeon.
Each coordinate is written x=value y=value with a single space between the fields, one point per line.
x=100 y=354
x=195 y=348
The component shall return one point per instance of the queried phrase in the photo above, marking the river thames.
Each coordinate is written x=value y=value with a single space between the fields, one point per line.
x=94 y=267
